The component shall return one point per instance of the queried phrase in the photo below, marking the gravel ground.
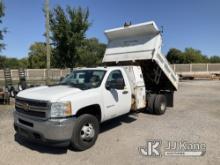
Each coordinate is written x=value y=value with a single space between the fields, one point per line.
x=195 y=118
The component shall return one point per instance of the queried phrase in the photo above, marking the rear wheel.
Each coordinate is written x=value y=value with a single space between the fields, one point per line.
x=160 y=104
x=85 y=132
x=150 y=102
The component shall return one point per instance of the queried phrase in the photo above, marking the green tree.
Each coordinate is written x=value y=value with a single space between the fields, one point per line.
x=2 y=31
x=12 y=63
x=23 y=63
x=68 y=28
x=194 y=56
x=190 y=55
x=175 y=56
x=2 y=62
x=214 y=59
x=37 y=55
x=91 y=52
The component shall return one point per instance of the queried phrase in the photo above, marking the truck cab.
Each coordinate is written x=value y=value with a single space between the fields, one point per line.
x=71 y=111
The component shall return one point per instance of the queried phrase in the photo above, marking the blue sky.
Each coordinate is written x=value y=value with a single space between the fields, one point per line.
x=187 y=23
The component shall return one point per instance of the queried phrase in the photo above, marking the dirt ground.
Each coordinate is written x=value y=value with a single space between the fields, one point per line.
x=195 y=118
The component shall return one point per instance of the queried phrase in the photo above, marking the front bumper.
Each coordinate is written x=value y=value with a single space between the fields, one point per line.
x=51 y=131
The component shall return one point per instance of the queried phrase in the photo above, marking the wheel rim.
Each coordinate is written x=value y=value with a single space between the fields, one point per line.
x=87 y=132
x=20 y=88
x=12 y=93
x=163 y=106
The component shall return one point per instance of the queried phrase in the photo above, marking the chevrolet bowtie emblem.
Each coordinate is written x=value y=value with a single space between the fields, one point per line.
x=25 y=106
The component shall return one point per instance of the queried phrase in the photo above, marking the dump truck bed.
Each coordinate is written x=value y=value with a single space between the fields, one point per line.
x=140 y=44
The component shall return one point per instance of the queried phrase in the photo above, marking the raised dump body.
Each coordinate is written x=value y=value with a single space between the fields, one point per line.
x=140 y=44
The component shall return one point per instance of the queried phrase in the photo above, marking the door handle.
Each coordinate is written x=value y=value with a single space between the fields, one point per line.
x=125 y=92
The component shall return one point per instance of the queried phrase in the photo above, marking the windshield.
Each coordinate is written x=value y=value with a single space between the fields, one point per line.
x=84 y=79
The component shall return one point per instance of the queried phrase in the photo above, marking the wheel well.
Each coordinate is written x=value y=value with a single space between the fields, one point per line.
x=91 y=109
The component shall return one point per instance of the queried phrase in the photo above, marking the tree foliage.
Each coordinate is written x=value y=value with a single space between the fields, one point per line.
x=2 y=61
x=175 y=56
x=214 y=59
x=194 y=56
x=91 y=52
x=2 y=31
x=37 y=55
x=68 y=28
x=189 y=55
x=12 y=63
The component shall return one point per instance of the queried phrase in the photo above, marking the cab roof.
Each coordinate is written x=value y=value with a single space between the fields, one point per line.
x=106 y=68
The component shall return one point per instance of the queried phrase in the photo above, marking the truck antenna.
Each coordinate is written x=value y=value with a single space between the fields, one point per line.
x=127 y=24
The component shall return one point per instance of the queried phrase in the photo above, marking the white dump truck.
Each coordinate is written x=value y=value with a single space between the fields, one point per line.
x=135 y=76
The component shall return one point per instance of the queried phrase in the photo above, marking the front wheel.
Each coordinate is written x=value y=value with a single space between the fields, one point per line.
x=85 y=132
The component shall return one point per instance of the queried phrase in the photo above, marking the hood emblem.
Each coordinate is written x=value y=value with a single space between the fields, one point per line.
x=25 y=106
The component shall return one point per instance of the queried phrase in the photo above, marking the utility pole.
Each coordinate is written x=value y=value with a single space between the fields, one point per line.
x=47 y=24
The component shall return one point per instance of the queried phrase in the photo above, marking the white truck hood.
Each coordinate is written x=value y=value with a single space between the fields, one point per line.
x=46 y=93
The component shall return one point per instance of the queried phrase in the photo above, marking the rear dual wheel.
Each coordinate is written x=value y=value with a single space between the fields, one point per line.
x=157 y=103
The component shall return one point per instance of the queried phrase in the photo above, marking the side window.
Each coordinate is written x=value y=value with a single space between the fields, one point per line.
x=116 y=80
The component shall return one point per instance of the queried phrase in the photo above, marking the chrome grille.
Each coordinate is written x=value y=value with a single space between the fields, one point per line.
x=31 y=107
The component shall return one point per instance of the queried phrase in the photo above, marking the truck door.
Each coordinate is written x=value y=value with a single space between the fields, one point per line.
x=117 y=95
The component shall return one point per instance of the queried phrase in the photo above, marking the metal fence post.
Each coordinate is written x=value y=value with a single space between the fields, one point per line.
x=44 y=74
x=61 y=72
x=190 y=67
x=27 y=74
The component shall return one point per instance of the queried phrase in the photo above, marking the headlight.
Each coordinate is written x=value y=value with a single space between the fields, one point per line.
x=60 y=109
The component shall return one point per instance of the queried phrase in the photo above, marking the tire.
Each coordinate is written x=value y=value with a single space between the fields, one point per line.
x=160 y=104
x=19 y=87
x=22 y=86
x=12 y=92
x=150 y=101
x=80 y=140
